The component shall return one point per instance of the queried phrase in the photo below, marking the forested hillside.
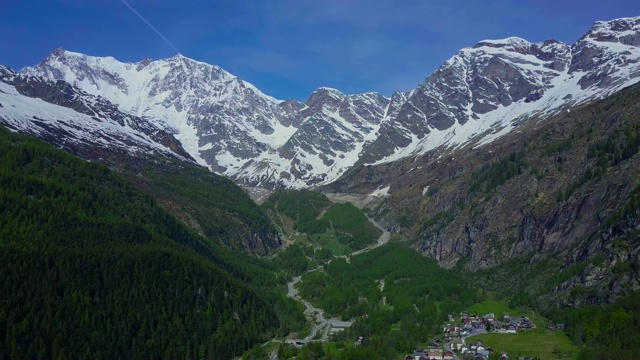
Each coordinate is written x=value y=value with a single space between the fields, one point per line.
x=341 y=228
x=208 y=203
x=397 y=298
x=605 y=332
x=92 y=268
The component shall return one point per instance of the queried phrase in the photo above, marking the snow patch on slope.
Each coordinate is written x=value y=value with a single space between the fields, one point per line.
x=34 y=116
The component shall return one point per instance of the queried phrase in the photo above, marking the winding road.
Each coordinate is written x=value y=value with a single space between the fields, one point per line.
x=316 y=315
x=313 y=314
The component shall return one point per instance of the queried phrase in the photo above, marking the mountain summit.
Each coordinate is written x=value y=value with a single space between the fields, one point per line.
x=478 y=95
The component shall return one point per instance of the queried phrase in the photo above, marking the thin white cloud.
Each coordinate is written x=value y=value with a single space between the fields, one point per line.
x=136 y=13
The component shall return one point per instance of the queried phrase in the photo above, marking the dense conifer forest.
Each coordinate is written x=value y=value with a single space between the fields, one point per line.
x=92 y=268
x=210 y=204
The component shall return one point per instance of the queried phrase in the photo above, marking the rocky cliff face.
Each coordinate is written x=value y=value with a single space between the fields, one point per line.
x=477 y=81
x=331 y=128
x=605 y=56
x=564 y=188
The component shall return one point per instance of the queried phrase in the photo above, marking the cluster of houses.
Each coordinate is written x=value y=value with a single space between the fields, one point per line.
x=489 y=322
x=477 y=350
x=554 y=327
x=431 y=354
x=472 y=324
x=443 y=351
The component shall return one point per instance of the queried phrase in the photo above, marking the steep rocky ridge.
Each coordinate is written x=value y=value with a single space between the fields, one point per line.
x=331 y=128
x=226 y=123
x=63 y=94
x=563 y=188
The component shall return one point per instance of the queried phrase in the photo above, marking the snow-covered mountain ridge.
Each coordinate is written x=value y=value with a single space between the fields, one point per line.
x=483 y=92
x=230 y=126
x=226 y=123
x=78 y=122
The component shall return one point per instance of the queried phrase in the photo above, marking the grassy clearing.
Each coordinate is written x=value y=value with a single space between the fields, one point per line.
x=340 y=228
x=493 y=306
x=271 y=346
x=498 y=308
x=543 y=344
x=396 y=326
x=335 y=348
x=329 y=241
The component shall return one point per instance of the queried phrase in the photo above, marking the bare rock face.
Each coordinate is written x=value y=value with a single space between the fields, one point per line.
x=288 y=112
x=332 y=123
x=388 y=136
x=328 y=132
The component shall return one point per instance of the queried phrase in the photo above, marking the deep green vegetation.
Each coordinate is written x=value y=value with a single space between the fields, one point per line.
x=208 y=203
x=398 y=297
x=293 y=260
x=92 y=268
x=542 y=277
x=303 y=207
x=605 y=154
x=617 y=147
x=604 y=331
x=337 y=227
x=538 y=344
x=600 y=331
x=494 y=174
x=351 y=226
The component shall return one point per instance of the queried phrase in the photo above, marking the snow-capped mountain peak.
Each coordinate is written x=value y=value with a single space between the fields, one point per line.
x=623 y=30
x=227 y=123
x=484 y=91
x=513 y=42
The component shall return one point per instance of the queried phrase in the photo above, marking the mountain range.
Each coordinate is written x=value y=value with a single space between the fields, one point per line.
x=515 y=166
x=97 y=107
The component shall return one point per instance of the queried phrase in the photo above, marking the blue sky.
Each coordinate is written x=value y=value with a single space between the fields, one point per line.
x=287 y=48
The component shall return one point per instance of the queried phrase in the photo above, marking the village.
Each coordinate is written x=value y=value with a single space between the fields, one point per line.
x=455 y=345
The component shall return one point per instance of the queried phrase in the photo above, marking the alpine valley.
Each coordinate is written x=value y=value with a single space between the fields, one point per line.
x=514 y=165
